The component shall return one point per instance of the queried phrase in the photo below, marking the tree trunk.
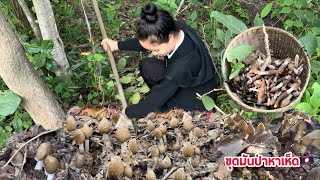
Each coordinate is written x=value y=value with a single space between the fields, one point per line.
x=49 y=31
x=21 y=77
x=255 y=6
x=31 y=18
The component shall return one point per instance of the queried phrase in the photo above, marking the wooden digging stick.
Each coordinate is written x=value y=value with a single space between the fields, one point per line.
x=111 y=58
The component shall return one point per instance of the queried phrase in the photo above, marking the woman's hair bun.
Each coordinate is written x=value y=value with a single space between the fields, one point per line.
x=149 y=12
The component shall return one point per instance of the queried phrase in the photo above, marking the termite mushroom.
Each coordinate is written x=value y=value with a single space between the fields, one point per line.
x=116 y=167
x=165 y=164
x=42 y=151
x=128 y=171
x=151 y=175
x=17 y=160
x=87 y=131
x=174 y=123
x=79 y=138
x=71 y=123
x=150 y=125
x=133 y=146
x=80 y=162
x=180 y=174
x=51 y=165
x=122 y=134
x=261 y=128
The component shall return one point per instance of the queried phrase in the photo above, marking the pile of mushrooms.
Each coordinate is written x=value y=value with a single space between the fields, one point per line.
x=274 y=85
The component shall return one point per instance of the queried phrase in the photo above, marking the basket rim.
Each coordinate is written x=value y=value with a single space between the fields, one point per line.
x=236 y=98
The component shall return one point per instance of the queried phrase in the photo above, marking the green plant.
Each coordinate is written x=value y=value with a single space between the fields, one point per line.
x=311 y=103
x=11 y=119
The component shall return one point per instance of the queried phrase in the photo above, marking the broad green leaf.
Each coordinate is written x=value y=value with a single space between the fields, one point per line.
x=288 y=24
x=285 y=10
x=240 y=52
x=298 y=13
x=235 y=70
x=306 y=97
x=305 y=107
x=126 y=79
x=315 y=98
x=287 y=2
x=144 y=89
x=258 y=21
x=298 y=23
x=233 y=24
x=310 y=43
x=266 y=10
x=39 y=60
x=298 y=4
x=208 y=102
x=135 y=98
x=216 y=43
x=9 y=102
x=220 y=35
x=46 y=46
x=99 y=57
x=194 y=16
x=315 y=67
x=122 y=64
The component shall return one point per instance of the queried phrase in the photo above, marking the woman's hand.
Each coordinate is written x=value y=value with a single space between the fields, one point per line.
x=111 y=43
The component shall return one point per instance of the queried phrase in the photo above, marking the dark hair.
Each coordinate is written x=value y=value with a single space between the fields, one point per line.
x=155 y=25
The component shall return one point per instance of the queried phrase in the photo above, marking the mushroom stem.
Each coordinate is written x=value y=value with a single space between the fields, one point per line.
x=39 y=165
x=81 y=147
x=86 y=146
x=50 y=176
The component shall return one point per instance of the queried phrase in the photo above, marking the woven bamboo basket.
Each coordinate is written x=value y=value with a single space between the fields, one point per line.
x=282 y=45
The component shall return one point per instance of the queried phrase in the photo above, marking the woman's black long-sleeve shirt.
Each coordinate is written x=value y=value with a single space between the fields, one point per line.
x=189 y=71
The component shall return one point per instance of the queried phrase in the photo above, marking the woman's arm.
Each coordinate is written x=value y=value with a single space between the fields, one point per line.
x=130 y=45
x=159 y=95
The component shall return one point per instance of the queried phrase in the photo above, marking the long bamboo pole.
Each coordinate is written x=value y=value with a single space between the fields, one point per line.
x=111 y=58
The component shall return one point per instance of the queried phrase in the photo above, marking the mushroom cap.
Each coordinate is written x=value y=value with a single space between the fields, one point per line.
x=302 y=125
x=71 y=124
x=180 y=174
x=197 y=151
x=151 y=175
x=79 y=137
x=122 y=134
x=80 y=161
x=104 y=126
x=176 y=146
x=243 y=125
x=236 y=117
x=306 y=141
x=133 y=146
x=197 y=132
x=165 y=163
x=188 y=149
x=163 y=128
x=231 y=121
x=42 y=151
x=187 y=125
x=250 y=130
x=51 y=164
x=161 y=148
x=17 y=159
x=195 y=162
x=116 y=167
x=87 y=131
x=154 y=152
x=158 y=133
x=174 y=122
x=261 y=127
x=128 y=171
x=188 y=177
x=150 y=125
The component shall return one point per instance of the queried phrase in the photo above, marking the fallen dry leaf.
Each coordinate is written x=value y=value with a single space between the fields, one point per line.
x=232 y=145
x=94 y=111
